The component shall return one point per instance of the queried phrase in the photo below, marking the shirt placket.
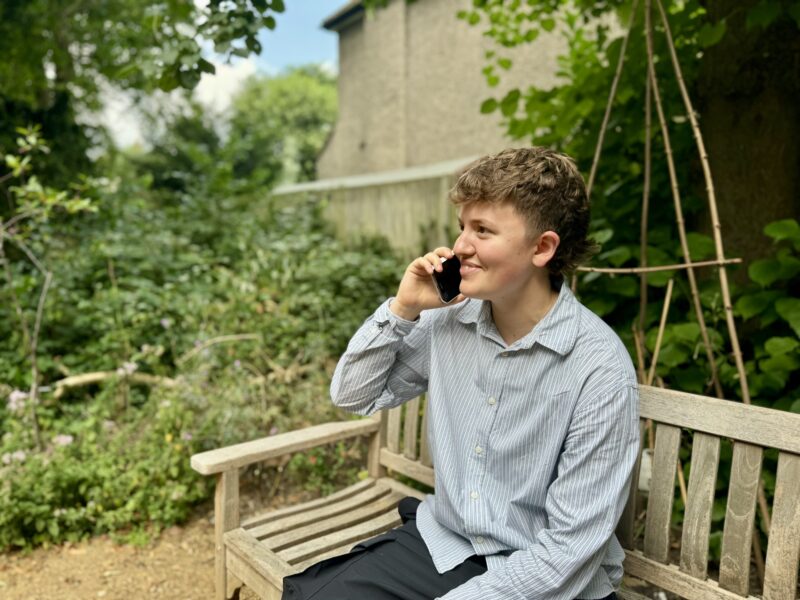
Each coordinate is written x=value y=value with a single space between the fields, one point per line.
x=479 y=448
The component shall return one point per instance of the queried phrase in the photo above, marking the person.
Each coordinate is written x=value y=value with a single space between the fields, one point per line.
x=532 y=405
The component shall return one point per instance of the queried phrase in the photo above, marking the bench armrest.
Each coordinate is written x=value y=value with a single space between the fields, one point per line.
x=240 y=455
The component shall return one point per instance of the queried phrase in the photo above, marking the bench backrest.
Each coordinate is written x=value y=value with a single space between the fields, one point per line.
x=704 y=427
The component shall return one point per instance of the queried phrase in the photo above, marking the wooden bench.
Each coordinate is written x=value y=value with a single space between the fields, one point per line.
x=263 y=549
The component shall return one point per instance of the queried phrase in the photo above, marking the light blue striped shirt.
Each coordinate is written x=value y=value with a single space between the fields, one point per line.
x=533 y=444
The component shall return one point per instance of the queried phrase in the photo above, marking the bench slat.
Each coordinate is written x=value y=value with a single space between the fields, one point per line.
x=672 y=579
x=313 y=514
x=393 y=429
x=783 y=547
x=352 y=490
x=662 y=492
x=411 y=428
x=265 y=563
x=424 y=449
x=725 y=418
x=353 y=534
x=740 y=513
x=410 y=468
x=627 y=522
x=699 y=504
x=331 y=524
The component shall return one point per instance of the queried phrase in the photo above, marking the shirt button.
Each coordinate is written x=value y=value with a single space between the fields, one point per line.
x=480 y=539
x=504 y=354
x=473 y=494
x=478 y=450
x=492 y=401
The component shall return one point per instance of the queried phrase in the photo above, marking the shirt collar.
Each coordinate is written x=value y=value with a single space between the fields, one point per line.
x=557 y=331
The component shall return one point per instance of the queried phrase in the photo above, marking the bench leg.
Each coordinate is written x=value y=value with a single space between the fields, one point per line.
x=226 y=517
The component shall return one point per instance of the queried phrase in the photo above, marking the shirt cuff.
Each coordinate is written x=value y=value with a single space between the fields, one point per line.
x=385 y=317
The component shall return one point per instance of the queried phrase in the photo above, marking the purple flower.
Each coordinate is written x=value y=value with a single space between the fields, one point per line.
x=237 y=363
x=274 y=430
x=186 y=436
x=63 y=439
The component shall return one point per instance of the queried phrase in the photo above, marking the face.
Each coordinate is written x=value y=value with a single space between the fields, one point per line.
x=497 y=257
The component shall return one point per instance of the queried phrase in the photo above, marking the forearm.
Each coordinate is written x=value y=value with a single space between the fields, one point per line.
x=381 y=367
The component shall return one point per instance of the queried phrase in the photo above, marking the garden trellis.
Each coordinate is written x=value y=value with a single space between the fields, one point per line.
x=653 y=98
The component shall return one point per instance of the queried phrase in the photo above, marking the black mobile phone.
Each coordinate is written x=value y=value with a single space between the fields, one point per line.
x=448 y=280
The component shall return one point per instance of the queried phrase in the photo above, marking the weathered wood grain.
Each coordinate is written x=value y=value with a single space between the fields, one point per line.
x=409 y=468
x=328 y=510
x=761 y=426
x=699 y=504
x=265 y=564
x=342 y=537
x=320 y=527
x=740 y=512
x=240 y=455
x=672 y=579
x=662 y=492
x=424 y=448
x=226 y=518
x=411 y=429
x=280 y=513
x=627 y=523
x=393 y=429
x=783 y=546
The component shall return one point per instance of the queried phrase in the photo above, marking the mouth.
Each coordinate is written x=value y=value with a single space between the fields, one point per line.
x=468 y=268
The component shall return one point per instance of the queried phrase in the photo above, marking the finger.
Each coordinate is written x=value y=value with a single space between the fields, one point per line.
x=435 y=260
x=423 y=264
x=444 y=252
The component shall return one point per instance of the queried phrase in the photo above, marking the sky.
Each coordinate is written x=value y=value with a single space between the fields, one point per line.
x=297 y=39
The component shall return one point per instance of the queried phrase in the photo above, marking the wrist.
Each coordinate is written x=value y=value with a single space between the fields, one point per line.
x=404 y=312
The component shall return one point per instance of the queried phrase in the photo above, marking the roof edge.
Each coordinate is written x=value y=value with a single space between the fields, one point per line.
x=350 y=12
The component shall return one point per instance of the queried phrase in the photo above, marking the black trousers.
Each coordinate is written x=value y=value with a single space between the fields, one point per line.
x=392 y=566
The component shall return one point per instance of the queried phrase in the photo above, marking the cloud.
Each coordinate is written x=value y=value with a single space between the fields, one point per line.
x=215 y=91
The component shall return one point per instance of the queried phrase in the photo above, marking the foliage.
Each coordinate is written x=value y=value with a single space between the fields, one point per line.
x=280 y=124
x=150 y=283
x=58 y=57
x=568 y=116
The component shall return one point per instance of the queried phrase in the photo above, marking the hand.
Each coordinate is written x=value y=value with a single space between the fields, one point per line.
x=417 y=291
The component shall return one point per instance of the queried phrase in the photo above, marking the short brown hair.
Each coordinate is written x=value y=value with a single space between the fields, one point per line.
x=546 y=189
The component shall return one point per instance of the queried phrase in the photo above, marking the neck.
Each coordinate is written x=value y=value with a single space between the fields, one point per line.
x=515 y=317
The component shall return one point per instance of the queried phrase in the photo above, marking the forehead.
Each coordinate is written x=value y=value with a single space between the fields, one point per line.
x=493 y=212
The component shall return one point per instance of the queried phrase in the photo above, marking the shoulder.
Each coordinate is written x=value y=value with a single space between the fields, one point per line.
x=601 y=352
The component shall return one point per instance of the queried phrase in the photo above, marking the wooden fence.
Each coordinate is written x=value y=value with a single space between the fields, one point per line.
x=409 y=207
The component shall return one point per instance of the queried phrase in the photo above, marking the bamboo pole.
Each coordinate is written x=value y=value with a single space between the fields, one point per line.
x=676 y=197
x=648 y=127
x=712 y=206
x=661 y=326
x=611 y=95
x=717 y=231
x=678 y=267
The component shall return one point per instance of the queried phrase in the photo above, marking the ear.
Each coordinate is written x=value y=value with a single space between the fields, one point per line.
x=546 y=247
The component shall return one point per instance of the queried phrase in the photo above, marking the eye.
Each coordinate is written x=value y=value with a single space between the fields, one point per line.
x=481 y=230
x=461 y=227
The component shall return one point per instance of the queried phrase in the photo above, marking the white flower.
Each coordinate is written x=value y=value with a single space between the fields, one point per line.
x=6 y=459
x=19 y=455
x=127 y=368
x=16 y=401
x=63 y=440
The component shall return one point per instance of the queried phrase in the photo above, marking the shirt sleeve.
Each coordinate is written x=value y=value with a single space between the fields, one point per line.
x=583 y=505
x=385 y=364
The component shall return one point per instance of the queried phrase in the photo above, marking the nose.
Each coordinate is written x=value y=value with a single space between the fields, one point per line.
x=462 y=246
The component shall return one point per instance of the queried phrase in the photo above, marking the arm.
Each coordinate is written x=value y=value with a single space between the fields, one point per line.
x=583 y=505
x=386 y=362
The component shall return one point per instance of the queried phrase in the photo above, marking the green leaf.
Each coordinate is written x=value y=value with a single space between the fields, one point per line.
x=508 y=105
x=548 y=24
x=781 y=345
x=795 y=407
x=700 y=246
x=765 y=271
x=488 y=106
x=711 y=34
x=688 y=332
x=601 y=236
x=504 y=63
x=206 y=67
x=794 y=12
x=789 y=311
x=787 y=229
x=763 y=13
x=754 y=304
x=616 y=257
